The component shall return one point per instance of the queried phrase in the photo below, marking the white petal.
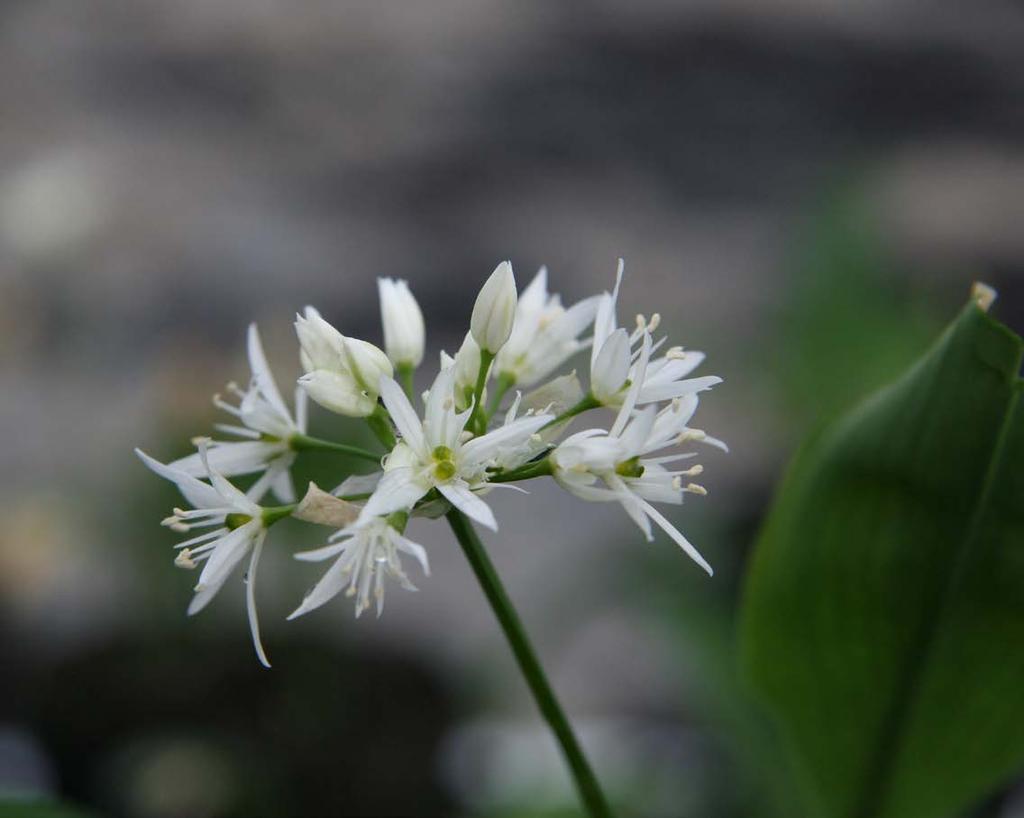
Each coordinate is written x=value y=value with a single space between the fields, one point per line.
x=404 y=416
x=328 y=587
x=398 y=490
x=197 y=493
x=675 y=534
x=639 y=374
x=338 y=392
x=227 y=553
x=261 y=372
x=321 y=554
x=612 y=367
x=416 y=550
x=481 y=449
x=677 y=389
x=604 y=321
x=357 y=484
x=464 y=500
x=250 y=601
x=231 y=458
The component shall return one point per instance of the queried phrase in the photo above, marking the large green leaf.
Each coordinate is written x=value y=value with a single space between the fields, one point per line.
x=883 y=622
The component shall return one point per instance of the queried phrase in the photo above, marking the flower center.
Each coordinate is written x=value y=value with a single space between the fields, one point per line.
x=630 y=468
x=444 y=464
x=236 y=520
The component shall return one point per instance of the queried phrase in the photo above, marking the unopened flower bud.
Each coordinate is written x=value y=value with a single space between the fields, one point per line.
x=404 y=334
x=495 y=309
x=367 y=363
x=321 y=344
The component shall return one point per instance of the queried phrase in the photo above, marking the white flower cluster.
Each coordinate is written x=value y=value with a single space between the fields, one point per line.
x=457 y=450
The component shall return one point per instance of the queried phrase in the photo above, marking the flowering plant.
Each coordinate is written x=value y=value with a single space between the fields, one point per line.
x=473 y=435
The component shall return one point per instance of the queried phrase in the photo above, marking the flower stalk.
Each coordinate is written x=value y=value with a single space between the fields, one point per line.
x=301 y=443
x=583 y=776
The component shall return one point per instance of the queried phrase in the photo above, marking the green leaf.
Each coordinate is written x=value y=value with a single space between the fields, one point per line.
x=883 y=621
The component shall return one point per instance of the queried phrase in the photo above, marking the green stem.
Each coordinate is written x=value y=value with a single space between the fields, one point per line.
x=271 y=514
x=586 y=783
x=303 y=443
x=478 y=420
x=588 y=401
x=404 y=372
x=540 y=468
x=380 y=424
x=505 y=382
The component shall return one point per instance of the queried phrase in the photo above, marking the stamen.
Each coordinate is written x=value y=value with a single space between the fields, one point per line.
x=184 y=560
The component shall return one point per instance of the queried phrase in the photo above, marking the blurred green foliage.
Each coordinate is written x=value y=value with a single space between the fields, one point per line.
x=884 y=601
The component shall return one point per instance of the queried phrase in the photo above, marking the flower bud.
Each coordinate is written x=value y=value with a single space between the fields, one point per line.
x=322 y=345
x=611 y=369
x=367 y=363
x=467 y=365
x=342 y=374
x=339 y=392
x=495 y=309
x=404 y=334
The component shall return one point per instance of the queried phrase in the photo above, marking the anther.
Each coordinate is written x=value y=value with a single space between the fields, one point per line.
x=693 y=471
x=184 y=559
x=696 y=488
x=675 y=354
x=654 y=322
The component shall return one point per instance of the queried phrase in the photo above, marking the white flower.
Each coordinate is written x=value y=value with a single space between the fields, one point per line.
x=368 y=552
x=237 y=527
x=267 y=424
x=435 y=453
x=495 y=309
x=341 y=373
x=613 y=361
x=404 y=333
x=544 y=334
x=624 y=460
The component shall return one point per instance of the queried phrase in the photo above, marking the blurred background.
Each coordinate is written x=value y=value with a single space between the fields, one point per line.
x=804 y=189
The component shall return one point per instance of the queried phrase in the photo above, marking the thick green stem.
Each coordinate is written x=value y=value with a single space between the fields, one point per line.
x=302 y=443
x=586 y=783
